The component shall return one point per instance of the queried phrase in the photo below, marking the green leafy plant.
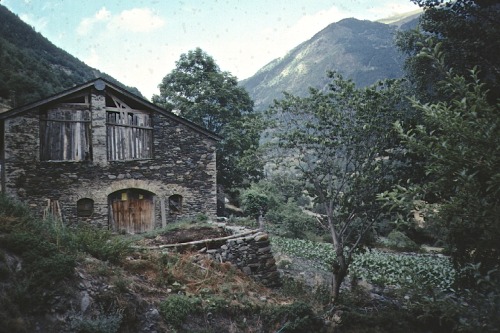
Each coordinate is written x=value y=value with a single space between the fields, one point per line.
x=321 y=254
x=176 y=308
x=103 y=324
x=431 y=271
x=399 y=241
x=102 y=244
x=296 y=317
x=427 y=271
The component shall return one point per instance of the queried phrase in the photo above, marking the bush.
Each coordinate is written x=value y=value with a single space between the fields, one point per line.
x=104 y=324
x=293 y=222
x=101 y=244
x=41 y=258
x=176 y=308
x=297 y=317
x=397 y=240
x=11 y=207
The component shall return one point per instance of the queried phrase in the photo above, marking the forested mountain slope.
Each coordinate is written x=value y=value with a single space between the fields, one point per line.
x=31 y=67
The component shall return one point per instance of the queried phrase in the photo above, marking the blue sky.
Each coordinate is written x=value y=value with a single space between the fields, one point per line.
x=138 y=42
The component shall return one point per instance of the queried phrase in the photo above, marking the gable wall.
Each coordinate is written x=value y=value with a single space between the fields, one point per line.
x=183 y=163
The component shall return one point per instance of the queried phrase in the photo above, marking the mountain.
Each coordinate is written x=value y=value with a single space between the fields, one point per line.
x=363 y=51
x=31 y=67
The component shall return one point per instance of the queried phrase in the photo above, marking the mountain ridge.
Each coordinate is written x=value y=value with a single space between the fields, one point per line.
x=360 y=50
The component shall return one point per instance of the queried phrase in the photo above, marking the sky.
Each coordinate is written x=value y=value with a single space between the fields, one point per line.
x=138 y=42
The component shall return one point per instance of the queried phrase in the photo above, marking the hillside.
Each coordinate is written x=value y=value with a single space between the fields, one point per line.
x=363 y=51
x=31 y=67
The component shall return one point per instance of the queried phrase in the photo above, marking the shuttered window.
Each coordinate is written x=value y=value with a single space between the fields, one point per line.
x=65 y=134
x=129 y=131
x=130 y=135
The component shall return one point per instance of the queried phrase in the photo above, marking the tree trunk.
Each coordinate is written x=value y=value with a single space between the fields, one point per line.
x=340 y=265
x=339 y=271
x=260 y=220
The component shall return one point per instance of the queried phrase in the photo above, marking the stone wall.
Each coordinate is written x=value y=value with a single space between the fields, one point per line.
x=183 y=163
x=252 y=255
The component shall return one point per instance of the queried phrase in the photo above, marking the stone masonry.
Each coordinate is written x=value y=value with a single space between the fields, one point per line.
x=251 y=254
x=183 y=163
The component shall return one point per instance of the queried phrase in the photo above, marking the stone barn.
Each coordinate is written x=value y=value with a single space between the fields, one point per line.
x=99 y=154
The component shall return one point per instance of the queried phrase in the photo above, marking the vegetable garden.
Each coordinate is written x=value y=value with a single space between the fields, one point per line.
x=376 y=267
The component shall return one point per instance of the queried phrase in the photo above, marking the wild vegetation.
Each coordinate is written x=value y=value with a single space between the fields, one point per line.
x=46 y=266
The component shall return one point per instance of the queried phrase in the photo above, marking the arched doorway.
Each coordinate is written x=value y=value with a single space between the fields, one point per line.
x=131 y=210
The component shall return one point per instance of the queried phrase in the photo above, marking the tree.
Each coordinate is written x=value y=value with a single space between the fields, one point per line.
x=204 y=94
x=468 y=32
x=454 y=66
x=339 y=142
x=461 y=139
x=255 y=203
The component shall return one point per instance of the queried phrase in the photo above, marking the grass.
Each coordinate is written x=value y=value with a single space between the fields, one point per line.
x=193 y=292
x=48 y=253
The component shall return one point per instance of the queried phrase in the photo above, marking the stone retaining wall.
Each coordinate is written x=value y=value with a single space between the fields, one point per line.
x=252 y=255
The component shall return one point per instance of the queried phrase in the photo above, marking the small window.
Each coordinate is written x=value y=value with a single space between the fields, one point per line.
x=85 y=207
x=175 y=204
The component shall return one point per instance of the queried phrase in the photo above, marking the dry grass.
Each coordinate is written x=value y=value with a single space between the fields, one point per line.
x=202 y=275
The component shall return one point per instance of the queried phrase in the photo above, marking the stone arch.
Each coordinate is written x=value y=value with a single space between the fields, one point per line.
x=118 y=185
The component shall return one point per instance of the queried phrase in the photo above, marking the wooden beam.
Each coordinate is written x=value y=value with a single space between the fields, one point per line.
x=203 y=241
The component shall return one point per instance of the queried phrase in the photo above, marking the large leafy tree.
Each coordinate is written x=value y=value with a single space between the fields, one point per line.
x=467 y=31
x=461 y=139
x=204 y=94
x=339 y=142
x=455 y=69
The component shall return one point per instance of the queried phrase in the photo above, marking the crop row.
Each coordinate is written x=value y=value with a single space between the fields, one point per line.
x=376 y=267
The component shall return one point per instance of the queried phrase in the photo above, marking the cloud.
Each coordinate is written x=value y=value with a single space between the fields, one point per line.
x=38 y=24
x=390 y=8
x=136 y=20
x=308 y=25
x=93 y=59
x=131 y=20
x=271 y=43
x=87 y=23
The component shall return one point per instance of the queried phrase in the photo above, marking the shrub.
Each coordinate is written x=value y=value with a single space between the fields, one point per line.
x=296 y=317
x=41 y=258
x=104 y=324
x=292 y=220
x=101 y=244
x=176 y=308
x=399 y=241
x=11 y=207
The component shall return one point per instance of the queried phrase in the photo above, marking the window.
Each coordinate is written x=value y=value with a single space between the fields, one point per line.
x=175 y=204
x=65 y=133
x=85 y=207
x=129 y=132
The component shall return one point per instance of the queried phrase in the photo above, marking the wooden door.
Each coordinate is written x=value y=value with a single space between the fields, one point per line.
x=132 y=211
